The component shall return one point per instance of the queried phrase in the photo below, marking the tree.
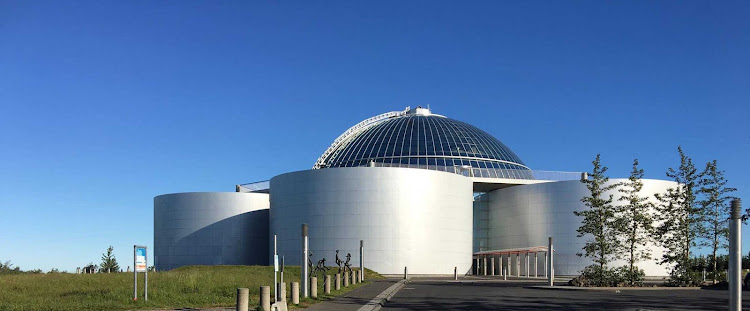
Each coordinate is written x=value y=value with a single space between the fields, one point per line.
x=633 y=222
x=715 y=209
x=109 y=263
x=598 y=221
x=7 y=268
x=680 y=219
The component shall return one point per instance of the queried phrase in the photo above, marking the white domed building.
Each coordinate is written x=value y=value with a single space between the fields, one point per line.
x=418 y=189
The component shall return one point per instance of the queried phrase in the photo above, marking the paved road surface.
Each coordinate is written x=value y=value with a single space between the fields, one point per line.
x=355 y=299
x=512 y=295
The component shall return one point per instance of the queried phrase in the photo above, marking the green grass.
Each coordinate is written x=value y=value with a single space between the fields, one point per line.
x=187 y=287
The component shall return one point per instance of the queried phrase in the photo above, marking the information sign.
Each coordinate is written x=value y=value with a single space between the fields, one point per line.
x=140 y=259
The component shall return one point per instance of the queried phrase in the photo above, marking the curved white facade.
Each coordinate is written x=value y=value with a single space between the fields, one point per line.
x=210 y=228
x=413 y=218
x=526 y=215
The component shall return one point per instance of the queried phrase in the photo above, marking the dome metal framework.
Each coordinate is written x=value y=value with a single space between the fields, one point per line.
x=417 y=138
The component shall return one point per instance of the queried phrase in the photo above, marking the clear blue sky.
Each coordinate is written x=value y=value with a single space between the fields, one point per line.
x=106 y=104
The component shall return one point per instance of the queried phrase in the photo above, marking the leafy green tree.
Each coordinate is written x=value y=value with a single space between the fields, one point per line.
x=634 y=223
x=680 y=219
x=109 y=263
x=598 y=221
x=716 y=210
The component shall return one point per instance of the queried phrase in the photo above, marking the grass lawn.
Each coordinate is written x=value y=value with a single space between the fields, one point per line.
x=187 y=287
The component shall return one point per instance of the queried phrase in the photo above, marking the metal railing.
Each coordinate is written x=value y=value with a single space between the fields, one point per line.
x=258 y=186
x=264 y=186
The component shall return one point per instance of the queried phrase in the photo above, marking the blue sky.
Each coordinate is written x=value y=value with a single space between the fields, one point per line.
x=106 y=104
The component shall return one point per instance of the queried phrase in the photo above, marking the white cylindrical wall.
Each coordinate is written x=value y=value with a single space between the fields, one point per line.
x=210 y=228
x=407 y=217
x=526 y=215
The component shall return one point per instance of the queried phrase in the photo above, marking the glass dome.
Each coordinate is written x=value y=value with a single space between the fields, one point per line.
x=418 y=138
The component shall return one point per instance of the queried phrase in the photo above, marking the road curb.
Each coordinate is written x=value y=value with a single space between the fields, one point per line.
x=572 y=288
x=378 y=302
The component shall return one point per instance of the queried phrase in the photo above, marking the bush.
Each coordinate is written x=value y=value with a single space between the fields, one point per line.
x=679 y=276
x=594 y=275
x=7 y=268
x=631 y=278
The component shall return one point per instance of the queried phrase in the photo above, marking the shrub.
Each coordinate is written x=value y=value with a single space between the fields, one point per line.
x=632 y=278
x=601 y=277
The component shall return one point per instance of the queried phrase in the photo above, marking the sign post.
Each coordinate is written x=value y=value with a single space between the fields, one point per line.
x=140 y=262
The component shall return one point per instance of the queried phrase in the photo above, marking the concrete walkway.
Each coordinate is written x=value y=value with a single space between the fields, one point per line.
x=355 y=299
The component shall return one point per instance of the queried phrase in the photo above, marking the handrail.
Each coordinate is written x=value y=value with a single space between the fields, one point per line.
x=353 y=130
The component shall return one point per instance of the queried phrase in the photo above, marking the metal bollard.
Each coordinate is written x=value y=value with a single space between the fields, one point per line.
x=734 y=273
x=406 y=273
x=455 y=273
x=295 y=293
x=265 y=298
x=346 y=278
x=505 y=274
x=242 y=299
x=314 y=287
x=327 y=285
x=551 y=263
x=338 y=281
x=282 y=292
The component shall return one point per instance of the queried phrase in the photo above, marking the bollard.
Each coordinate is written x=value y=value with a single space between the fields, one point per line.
x=550 y=262
x=455 y=273
x=361 y=260
x=406 y=273
x=735 y=257
x=492 y=265
x=314 y=287
x=242 y=299
x=338 y=281
x=265 y=298
x=305 y=258
x=295 y=293
x=282 y=291
x=355 y=277
x=346 y=278
x=327 y=285
x=505 y=274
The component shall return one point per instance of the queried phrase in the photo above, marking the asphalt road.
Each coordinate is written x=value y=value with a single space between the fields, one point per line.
x=511 y=295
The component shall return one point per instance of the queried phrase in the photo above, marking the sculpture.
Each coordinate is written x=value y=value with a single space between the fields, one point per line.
x=347 y=265
x=321 y=267
x=338 y=260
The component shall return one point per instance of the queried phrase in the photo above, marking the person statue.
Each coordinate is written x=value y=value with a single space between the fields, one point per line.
x=309 y=263
x=348 y=265
x=338 y=260
x=321 y=267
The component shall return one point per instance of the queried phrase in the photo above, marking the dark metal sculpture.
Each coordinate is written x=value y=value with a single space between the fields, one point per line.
x=320 y=267
x=309 y=263
x=347 y=265
x=338 y=260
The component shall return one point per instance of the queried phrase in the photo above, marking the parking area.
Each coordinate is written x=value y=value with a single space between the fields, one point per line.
x=477 y=294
